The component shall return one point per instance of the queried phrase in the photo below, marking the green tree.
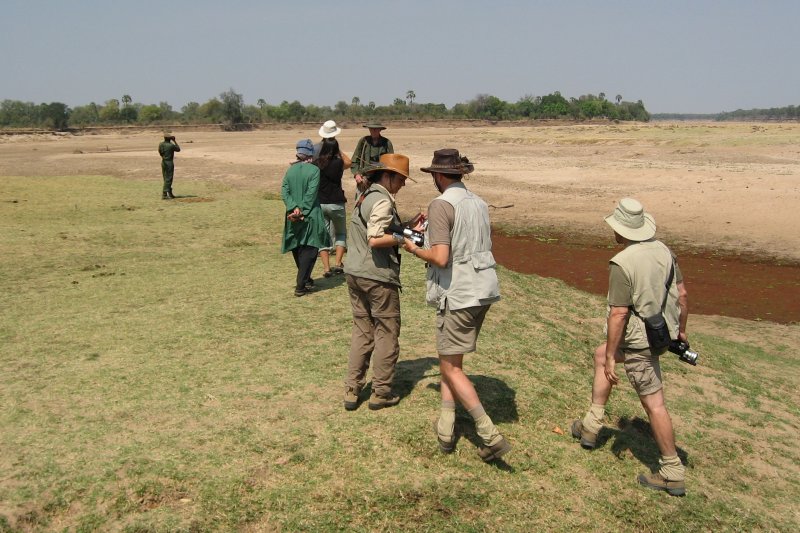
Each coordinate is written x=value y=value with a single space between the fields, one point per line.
x=110 y=111
x=356 y=101
x=410 y=95
x=126 y=100
x=618 y=98
x=232 y=104
x=150 y=114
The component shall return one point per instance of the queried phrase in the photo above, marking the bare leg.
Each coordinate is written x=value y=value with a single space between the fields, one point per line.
x=324 y=255
x=660 y=422
x=455 y=384
x=601 y=387
x=339 y=256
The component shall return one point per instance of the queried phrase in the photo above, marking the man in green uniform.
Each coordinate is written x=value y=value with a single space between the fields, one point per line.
x=167 y=149
x=368 y=151
x=644 y=279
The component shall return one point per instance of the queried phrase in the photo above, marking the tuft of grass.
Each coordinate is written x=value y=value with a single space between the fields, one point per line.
x=160 y=376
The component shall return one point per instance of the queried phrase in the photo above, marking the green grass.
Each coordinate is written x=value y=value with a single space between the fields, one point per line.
x=158 y=375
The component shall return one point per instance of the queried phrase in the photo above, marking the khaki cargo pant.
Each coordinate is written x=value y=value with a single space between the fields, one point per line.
x=376 y=329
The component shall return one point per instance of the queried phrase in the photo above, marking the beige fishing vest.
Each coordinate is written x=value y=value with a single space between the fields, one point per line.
x=469 y=279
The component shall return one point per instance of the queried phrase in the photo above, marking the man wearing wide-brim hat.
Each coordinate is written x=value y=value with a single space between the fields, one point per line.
x=372 y=272
x=368 y=151
x=462 y=285
x=644 y=282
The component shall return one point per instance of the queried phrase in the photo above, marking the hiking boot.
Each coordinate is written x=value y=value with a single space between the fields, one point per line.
x=588 y=439
x=376 y=401
x=495 y=451
x=351 y=399
x=171 y=196
x=165 y=196
x=657 y=482
x=300 y=292
x=445 y=446
x=309 y=284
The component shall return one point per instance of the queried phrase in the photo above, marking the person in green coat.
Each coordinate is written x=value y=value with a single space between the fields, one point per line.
x=167 y=149
x=304 y=231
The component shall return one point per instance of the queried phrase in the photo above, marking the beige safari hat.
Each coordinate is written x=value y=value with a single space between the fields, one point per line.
x=630 y=220
x=329 y=129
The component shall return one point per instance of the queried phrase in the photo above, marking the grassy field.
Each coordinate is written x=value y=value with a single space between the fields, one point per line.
x=158 y=375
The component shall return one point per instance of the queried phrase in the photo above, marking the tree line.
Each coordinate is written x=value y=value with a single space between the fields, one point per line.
x=230 y=110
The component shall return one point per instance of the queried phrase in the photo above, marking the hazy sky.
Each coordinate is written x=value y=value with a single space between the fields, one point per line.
x=687 y=56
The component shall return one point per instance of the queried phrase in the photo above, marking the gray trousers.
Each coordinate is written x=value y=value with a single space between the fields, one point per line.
x=376 y=329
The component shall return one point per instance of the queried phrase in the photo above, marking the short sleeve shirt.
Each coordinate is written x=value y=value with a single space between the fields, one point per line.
x=620 y=292
x=441 y=219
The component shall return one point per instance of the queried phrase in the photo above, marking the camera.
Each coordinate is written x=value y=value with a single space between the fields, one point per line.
x=416 y=237
x=681 y=349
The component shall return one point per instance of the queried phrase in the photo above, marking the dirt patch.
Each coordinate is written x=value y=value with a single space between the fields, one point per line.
x=724 y=285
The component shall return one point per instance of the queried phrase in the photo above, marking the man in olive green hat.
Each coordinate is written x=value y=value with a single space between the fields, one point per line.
x=368 y=151
x=167 y=149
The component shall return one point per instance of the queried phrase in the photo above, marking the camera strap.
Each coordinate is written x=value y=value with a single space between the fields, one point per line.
x=396 y=216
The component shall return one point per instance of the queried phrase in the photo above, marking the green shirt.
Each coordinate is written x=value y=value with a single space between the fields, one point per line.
x=365 y=153
x=167 y=150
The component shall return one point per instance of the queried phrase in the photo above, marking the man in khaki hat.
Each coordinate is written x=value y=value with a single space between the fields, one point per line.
x=368 y=151
x=462 y=285
x=372 y=271
x=644 y=281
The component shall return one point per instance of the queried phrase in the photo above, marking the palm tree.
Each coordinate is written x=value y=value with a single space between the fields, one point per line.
x=602 y=96
x=126 y=100
x=356 y=101
x=410 y=95
x=618 y=98
x=261 y=103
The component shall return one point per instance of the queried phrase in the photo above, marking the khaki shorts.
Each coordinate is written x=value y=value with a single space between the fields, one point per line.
x=457 y=331
x=643 y=370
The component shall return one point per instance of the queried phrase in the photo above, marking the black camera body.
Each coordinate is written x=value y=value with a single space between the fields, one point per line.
x=681 y=349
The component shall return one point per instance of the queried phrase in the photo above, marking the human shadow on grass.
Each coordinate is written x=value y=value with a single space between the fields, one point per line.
x=499 y=401
x=635 y=435
x=322 y=283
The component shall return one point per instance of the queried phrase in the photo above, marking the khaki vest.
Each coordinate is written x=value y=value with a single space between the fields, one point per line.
x=379 y=264
x=470 y=278
x=647 y=265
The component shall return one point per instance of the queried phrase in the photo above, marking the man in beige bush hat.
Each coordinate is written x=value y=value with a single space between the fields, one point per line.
x=644 y=281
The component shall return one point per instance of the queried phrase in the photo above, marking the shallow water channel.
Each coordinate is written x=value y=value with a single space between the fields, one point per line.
x=717 y=285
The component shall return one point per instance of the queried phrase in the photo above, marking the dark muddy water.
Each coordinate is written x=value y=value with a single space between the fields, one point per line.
x=717 y=285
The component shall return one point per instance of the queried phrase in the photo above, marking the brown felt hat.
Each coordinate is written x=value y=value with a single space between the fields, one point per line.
x=374 y=125
x=393 y=162
x=449 y=161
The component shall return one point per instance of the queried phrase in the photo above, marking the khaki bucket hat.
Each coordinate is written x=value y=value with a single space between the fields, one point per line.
x=631 y=221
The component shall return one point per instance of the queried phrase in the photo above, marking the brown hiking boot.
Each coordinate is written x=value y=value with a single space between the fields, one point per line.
x=377 y=401
x=445 y=446
x=495 y=451
x=588 y=439
x=351 y=399
x=657 y=482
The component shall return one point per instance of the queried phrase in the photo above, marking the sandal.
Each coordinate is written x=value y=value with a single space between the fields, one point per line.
x=337 y=270
x=328 y=273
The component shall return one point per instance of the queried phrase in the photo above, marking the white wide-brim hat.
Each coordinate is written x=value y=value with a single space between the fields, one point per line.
x=329 y=129
x=630 y=220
